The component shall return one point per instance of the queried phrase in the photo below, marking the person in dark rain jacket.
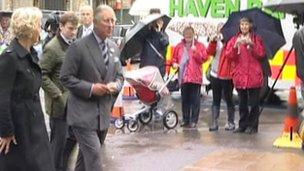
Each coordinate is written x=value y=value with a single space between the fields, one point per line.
x=159 y=40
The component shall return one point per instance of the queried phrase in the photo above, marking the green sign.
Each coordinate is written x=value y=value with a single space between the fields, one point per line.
x=216 y=8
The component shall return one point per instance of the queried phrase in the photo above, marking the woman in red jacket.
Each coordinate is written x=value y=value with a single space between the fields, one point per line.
x=247 y=51
x=221 y=82
x=189 y=56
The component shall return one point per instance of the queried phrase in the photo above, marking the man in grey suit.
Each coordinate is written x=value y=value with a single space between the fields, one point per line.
x=93 y=74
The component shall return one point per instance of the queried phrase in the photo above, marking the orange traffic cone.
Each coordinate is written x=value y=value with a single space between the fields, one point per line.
x=290 y=137
x=128 y=90
x=118 y=110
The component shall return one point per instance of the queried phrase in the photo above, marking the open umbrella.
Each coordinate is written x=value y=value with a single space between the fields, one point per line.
x=295 y=7
x=268 y=27
x=133 y=40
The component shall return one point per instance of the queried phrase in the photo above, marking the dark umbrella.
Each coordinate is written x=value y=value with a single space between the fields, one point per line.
x=133 y=40
x=268 y=27
x=288 y=6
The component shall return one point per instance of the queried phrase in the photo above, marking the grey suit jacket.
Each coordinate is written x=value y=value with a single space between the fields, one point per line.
x=82 y=67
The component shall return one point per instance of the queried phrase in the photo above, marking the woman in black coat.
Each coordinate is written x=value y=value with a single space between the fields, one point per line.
x=24 y=144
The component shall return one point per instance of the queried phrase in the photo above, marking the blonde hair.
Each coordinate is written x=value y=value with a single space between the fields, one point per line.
x=189 y=28
x=24 y=21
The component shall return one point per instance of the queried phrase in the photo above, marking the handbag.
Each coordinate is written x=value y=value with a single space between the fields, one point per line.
x=173 y=85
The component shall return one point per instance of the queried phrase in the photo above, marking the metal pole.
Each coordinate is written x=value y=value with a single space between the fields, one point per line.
x=276 y=80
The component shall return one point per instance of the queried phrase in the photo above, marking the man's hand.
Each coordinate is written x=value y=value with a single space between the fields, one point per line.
x=5 y=143
x=100 y=89
x=112 y=87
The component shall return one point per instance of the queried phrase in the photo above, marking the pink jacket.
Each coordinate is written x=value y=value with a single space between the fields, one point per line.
x=197 y=55
x=248 y=72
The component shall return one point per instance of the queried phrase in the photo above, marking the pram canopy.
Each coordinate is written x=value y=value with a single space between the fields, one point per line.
x=147 y=81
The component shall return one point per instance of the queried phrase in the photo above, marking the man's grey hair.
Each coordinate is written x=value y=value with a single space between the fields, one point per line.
x=100 y=9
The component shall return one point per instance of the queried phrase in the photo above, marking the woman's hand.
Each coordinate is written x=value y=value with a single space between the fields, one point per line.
x=175 y=65
x=238 y=42
x=160 y=24
x=249 y=41
x=5 y=143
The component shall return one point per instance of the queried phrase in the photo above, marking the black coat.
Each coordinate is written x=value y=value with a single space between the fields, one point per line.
x=20 y=112
x=160 y=41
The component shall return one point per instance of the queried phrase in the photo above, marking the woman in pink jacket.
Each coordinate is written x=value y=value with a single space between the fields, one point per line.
x=247 y=51
x=189 y=56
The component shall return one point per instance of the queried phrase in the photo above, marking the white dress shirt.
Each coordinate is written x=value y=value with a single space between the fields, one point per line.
x=87 y=30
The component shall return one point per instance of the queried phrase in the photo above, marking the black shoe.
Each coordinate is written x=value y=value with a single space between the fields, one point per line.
x=239 y=130
x=184 y=124
x=250 y=130
x=214 y=128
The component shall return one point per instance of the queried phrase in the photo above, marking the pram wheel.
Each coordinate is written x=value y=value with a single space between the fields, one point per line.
x=145 y=117
x=170 y=119
x=132 y=125
x=119 y=123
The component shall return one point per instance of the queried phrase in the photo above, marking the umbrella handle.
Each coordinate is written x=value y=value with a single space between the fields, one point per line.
x=276 y=80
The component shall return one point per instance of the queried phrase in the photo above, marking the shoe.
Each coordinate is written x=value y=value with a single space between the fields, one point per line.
x=192 y=125
x=250 y=130
x=230 y=126
x=184 y=124
x=239 y=130
x=213 y=128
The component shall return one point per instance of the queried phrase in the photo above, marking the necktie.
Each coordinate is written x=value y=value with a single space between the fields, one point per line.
x=104 y=52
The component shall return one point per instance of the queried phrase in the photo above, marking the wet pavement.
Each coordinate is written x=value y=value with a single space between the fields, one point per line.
x=155 y=148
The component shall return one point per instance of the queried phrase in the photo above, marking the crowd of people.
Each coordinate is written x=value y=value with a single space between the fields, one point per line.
x=81 y=74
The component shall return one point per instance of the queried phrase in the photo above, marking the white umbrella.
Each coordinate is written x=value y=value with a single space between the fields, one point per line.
x=142 y=7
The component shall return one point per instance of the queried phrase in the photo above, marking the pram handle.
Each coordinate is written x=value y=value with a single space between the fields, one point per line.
x=169 y=79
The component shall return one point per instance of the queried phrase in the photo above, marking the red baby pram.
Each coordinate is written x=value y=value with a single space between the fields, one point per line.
x=153 y=93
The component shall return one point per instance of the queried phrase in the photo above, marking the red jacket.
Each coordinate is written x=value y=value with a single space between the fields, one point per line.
x=248 y=71
x=225 y=64
x=193 y=71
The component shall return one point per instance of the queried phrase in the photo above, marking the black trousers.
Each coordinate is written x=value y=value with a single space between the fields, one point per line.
x=191 y=101
x=221 y=87
x=249 y=97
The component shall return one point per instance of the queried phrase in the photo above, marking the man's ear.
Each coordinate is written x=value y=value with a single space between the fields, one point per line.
x=61 y=26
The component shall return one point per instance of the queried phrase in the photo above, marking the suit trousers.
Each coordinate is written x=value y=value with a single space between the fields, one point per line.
x=89 y=149
x=59 y=131
x=80 y=162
